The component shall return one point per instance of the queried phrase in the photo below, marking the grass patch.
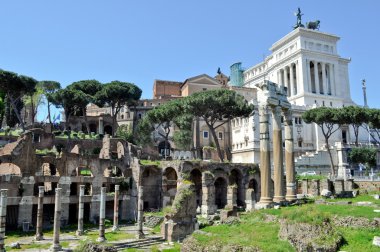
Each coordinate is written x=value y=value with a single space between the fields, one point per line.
x=176 y=248
x=361 y=197
x=110 y=236
x=32 y=245
x=250 y=232
x=150 y=162
x=359 y=239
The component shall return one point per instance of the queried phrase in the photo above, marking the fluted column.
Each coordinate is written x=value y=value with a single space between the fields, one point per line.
x=102 y=215
x=80 y=210
x=3 y=217
x=316 y=77
x=289 y=157
x=40 y=213
x=140 y=213
x=57 y=220
x=279 y=194
x=265 y=156
x=116 y=209
x=324 y=82
x=291 y=80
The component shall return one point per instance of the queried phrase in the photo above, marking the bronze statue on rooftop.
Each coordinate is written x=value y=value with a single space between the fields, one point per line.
x=299 y=15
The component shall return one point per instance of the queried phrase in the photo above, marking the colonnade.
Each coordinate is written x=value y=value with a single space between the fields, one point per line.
x=321 y=76
x=288 y=76
x=280 y=194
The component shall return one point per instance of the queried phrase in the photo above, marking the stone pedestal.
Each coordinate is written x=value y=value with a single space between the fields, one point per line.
x=116 y=209
x=102 y=215
x=40 y=213
x=305 y=186
x=265 y=164
x=140 y=213
x=3 y=217
x=314 y=187
x=57 y=220
x=232 y=196
x=80 y=210
x=26 y=203
x=279 y=194
x=339 y=186
x=250 y=199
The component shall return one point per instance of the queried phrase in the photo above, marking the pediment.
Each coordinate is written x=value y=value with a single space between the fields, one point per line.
x=203 y=79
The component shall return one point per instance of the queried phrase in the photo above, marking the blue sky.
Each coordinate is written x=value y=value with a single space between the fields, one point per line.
x=139 y=41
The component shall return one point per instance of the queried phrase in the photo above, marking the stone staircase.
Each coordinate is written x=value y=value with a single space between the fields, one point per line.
x=143 y=244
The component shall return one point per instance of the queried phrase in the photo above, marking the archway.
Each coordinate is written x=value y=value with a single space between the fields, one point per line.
x=196 y=178
x=108 y=130
x=83 y=171
x=235 y=178
x=169 y=186
x=10 y=169
x=93 y=128
x=254 y=185
x=164 y=148
x=220 y=192
x=151 y=181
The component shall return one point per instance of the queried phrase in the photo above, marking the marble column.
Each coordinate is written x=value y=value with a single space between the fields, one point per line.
x=140 y=213
x=101 y=126
x=291 y=86
x=102 y=215
x=80 y=210
x=57 y=220
x=324 y=82
x=265 y=165
x=3 y=217
x=316 y=77
x=289 y=157
x=279 y=194
x=286 y=79
x=40 y=213
x=116 y=209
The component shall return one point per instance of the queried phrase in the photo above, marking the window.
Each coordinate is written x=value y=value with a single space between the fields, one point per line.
x=220 y=135
x=331 y=104
x=139 y=116
x=204 y=89
x=205 y=134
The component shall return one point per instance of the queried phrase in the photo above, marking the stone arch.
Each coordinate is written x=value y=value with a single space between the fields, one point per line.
x=10 y=169
x=108 y=130
x=236 y=178
x=113 y=172
x=220 y=192
x=93 y=128
x=196 y=178
x=151 y=180
x=169 y=185
x=162 y=146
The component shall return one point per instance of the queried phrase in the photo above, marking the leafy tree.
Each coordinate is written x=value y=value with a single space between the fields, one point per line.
x=117 y=94
x=374 y=124
x=124 y=132
x=165 y=116
x=15 y=87
x=48 y=88
x=68 y=99
x=363 y=155
x=34 y=100
x=85 y=93
x=182 y=139
x=328 y=121
x=217 y=107
x=144 y=131
x=354 y=116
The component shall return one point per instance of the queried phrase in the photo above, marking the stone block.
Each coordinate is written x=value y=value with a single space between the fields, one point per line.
x=376 y=241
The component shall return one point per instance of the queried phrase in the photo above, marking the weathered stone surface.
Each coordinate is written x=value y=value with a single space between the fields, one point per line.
x=326 y=193
x=226 y=213
x=15 y=245
x=181 y=221
x=90 y=247
x=308 y=237
x=190 y=244
x=355 y=222
x=376 y=241
x=152 y=221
